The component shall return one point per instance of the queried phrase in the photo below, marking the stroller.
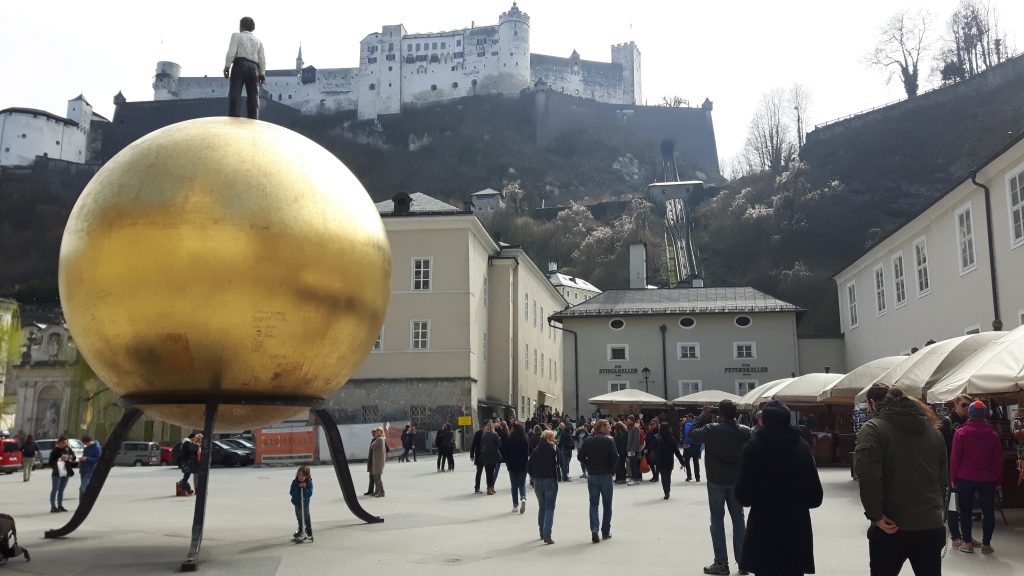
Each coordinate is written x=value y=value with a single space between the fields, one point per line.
x=9 y=540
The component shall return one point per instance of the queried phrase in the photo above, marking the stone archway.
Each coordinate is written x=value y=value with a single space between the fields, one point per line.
x=46 y=418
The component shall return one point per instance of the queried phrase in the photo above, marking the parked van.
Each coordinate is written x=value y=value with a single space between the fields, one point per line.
x=138 y=454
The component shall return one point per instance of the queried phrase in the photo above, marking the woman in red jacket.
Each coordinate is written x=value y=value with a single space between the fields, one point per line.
x=975 y=466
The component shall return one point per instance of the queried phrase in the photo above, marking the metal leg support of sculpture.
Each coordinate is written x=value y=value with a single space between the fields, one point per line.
x=348 y=490
x=99 y=476
x=202 y=483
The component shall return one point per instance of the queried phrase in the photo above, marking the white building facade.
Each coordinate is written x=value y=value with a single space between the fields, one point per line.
x=464 y=334
x=687 y=339
x=26 y=133
x=398 y=69
x=945 y=273
x=574 y=290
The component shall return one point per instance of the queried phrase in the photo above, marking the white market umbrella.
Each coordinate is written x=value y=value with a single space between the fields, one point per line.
x=803 y=389
x=844 y=390
x=628 y=400
x=997 y=368
x=705 y=398
x=929 y=364
x=753 y=398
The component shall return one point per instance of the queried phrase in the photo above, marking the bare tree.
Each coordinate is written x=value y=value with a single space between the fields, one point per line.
x=769 y=145
x=674 y=102
x=800 y=102
x=901 y=43
x=971 y=42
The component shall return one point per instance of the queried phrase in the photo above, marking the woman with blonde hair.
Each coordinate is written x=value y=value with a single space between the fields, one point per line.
x=543 y=468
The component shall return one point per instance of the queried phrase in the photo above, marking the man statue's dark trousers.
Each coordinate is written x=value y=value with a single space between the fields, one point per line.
x=244 y=72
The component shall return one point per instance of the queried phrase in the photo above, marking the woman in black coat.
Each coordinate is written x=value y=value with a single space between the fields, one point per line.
x=490 y=453
x=516 y=452
x=665 y=448
x=779 y=481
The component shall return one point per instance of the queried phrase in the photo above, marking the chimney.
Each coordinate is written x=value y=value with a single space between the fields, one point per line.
x=402 y=202
x=552 y=266
x=637 y=266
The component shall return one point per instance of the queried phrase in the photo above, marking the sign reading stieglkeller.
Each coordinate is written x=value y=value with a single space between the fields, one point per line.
x=617 y=370
x=746 y=369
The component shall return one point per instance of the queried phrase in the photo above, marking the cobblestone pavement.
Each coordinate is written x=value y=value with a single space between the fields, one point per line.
x=434 y=524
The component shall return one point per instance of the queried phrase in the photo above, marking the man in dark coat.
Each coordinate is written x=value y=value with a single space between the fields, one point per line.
x=779 y=481
x=474 y=457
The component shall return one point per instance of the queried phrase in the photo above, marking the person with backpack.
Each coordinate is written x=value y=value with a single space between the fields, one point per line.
x=301 y=491
x=28 y=457
x=723 y=442
x=691 y=450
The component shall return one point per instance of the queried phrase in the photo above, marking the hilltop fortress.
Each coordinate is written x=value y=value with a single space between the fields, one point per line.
x=398 y=69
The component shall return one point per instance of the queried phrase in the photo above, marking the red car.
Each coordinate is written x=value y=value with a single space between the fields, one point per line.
x=10 y=458
x=165 y=455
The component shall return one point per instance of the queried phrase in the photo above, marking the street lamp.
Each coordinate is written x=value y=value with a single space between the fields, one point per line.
x=647 y=374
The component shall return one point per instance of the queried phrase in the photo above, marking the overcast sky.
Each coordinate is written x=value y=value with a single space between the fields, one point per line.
x=728 y=50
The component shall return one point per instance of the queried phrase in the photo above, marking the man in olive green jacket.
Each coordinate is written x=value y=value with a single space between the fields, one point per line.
x=901 y=463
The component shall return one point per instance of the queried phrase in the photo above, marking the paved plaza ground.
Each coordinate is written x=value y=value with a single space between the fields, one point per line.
x=434 y=524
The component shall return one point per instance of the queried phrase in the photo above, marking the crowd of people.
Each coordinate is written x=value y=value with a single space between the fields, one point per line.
x=920 y=475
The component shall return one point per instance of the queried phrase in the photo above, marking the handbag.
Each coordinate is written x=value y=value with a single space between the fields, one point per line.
x=644 y=466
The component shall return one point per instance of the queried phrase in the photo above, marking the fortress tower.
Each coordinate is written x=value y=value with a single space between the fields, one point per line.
x=513 y=50
x=628 y=55
x=165 y=83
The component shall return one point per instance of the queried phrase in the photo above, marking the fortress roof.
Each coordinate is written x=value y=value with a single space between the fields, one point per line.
x=35 y=112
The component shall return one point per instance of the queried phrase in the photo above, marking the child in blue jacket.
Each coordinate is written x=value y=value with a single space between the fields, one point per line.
x=301 y=491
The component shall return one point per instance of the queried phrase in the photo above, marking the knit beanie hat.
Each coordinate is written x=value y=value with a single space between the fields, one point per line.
x=775 y=415
x=977 y=410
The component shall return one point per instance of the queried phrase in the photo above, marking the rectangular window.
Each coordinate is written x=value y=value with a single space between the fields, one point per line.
x=851 y=302
x=443 y=45
x=486 y=297
x=526 y=307
x=434 y=46
x=421 y=274
x=879 y=290
x=688 y=350
x=744 y=386
x=965 y=239
x=379 y=344
x=534 y=311
x=551 y=369
x=924 y=285
x=556 y=363
x=616 y=385
x=618 y=352
x=485 y=346
x=689 y=387
x=542 y=319
x=458 y=42
x=899 y=279
x=541 y=364
x=527 y=357
x=417 y=46
x=744 y=350
x=1015 y=187
x=534 y=360
x=420 y=335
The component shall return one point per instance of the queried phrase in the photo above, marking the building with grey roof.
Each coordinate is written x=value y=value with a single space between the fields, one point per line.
x=676 y=341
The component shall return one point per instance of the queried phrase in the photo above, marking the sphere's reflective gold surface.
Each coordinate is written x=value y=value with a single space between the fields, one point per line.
x=224 y=258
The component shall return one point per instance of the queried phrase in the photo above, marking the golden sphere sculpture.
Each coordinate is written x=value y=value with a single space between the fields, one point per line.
x=224 y=259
